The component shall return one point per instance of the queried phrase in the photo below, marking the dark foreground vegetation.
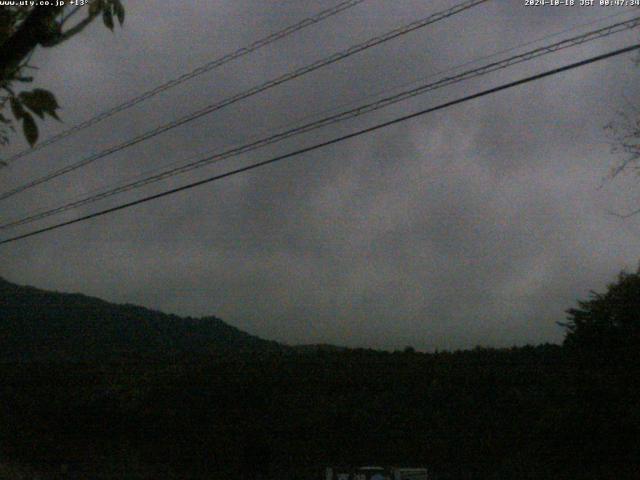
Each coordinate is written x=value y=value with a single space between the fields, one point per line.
x=193 y=409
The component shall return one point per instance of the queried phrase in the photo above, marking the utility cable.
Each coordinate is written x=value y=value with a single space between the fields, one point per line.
x=252 y=91
x=417 y=80
x=207 y=67
x=336 y=140
x=330 y=120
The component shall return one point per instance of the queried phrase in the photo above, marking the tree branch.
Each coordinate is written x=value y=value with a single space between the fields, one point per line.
x=64 y=36
x=35 y=30
x=70 y=14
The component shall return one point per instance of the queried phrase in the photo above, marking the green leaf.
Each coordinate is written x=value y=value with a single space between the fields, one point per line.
x=29 y=128
x=119 y=10
x=16 y=108
x=40 y=102
x=29 y=102
x=95 y=7
x=107 y=17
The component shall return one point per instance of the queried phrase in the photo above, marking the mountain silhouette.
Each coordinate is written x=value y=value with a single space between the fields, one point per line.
x=40 y=325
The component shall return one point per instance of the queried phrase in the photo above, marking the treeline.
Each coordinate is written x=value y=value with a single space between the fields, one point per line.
x=532 y=412
x=529 y=412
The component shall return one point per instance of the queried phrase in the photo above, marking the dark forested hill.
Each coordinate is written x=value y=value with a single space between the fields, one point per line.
x=155 y=396
x=37 y=325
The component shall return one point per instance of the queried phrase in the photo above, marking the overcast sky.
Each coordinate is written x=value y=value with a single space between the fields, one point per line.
x=478 y=225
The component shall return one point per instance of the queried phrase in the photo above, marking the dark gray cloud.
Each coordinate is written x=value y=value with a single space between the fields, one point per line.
x=479 y=224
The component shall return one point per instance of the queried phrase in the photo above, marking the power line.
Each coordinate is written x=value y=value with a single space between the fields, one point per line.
x=183 y=162
x=589 y=36
x=342 y=116
x=342 y=138
x=272 y=38
x=372 y=42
